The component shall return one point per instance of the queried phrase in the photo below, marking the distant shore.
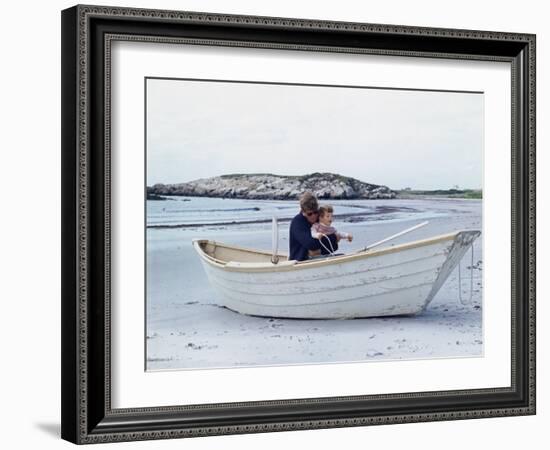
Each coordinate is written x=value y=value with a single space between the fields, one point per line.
x=267 y=186
x=325 y=186
x=476 y=194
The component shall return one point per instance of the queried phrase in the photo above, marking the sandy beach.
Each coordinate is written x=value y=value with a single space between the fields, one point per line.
x=187 y=328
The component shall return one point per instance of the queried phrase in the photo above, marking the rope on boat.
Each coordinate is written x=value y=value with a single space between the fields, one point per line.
x=469 y=301
x=331 y=251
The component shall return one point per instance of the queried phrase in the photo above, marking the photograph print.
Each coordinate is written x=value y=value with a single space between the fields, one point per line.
x=293 y=224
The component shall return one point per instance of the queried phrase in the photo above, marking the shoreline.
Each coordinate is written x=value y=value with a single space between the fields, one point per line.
x=425 y=195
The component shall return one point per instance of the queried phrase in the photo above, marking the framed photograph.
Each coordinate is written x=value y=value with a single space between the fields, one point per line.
x=279 y=224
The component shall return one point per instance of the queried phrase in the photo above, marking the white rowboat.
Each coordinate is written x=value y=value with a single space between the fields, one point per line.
x=396 y=280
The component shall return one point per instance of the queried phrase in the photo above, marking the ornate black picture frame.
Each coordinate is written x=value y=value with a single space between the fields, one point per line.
x=87 y=413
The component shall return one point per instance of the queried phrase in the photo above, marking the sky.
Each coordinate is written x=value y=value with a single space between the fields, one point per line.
x=397 y=138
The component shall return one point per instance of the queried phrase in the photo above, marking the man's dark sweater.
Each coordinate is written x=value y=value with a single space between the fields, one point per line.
x=301 y=242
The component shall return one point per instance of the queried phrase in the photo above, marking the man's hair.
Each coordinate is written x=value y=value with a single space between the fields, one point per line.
x=325 y=209
x=308 y=202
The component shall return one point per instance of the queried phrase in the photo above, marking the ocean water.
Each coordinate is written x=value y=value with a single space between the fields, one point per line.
x=192 y=212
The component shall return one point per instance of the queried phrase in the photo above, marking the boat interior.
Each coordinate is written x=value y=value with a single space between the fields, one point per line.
x=243 y=258
x=223 y=254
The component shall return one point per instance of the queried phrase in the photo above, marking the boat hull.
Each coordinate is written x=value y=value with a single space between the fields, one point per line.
x=399 y=280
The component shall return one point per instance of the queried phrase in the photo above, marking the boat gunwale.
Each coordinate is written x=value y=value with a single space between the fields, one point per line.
x=312 y=264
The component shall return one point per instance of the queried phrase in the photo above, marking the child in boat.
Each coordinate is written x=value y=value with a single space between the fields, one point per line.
x=326 y=233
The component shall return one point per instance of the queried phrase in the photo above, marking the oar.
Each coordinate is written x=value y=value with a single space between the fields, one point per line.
x=274 y=240
x=401 y=233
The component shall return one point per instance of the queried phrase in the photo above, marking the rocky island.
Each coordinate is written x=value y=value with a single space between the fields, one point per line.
x=264 y=186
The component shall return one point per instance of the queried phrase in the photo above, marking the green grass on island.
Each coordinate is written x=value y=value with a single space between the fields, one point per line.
x=443 y=193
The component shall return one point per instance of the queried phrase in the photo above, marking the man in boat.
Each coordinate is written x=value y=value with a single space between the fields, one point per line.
x=300 y=239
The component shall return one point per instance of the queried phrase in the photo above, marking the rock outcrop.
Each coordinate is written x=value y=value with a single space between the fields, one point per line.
x=275 y=187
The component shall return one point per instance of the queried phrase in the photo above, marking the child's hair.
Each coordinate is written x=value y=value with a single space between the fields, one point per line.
x=325 y=209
